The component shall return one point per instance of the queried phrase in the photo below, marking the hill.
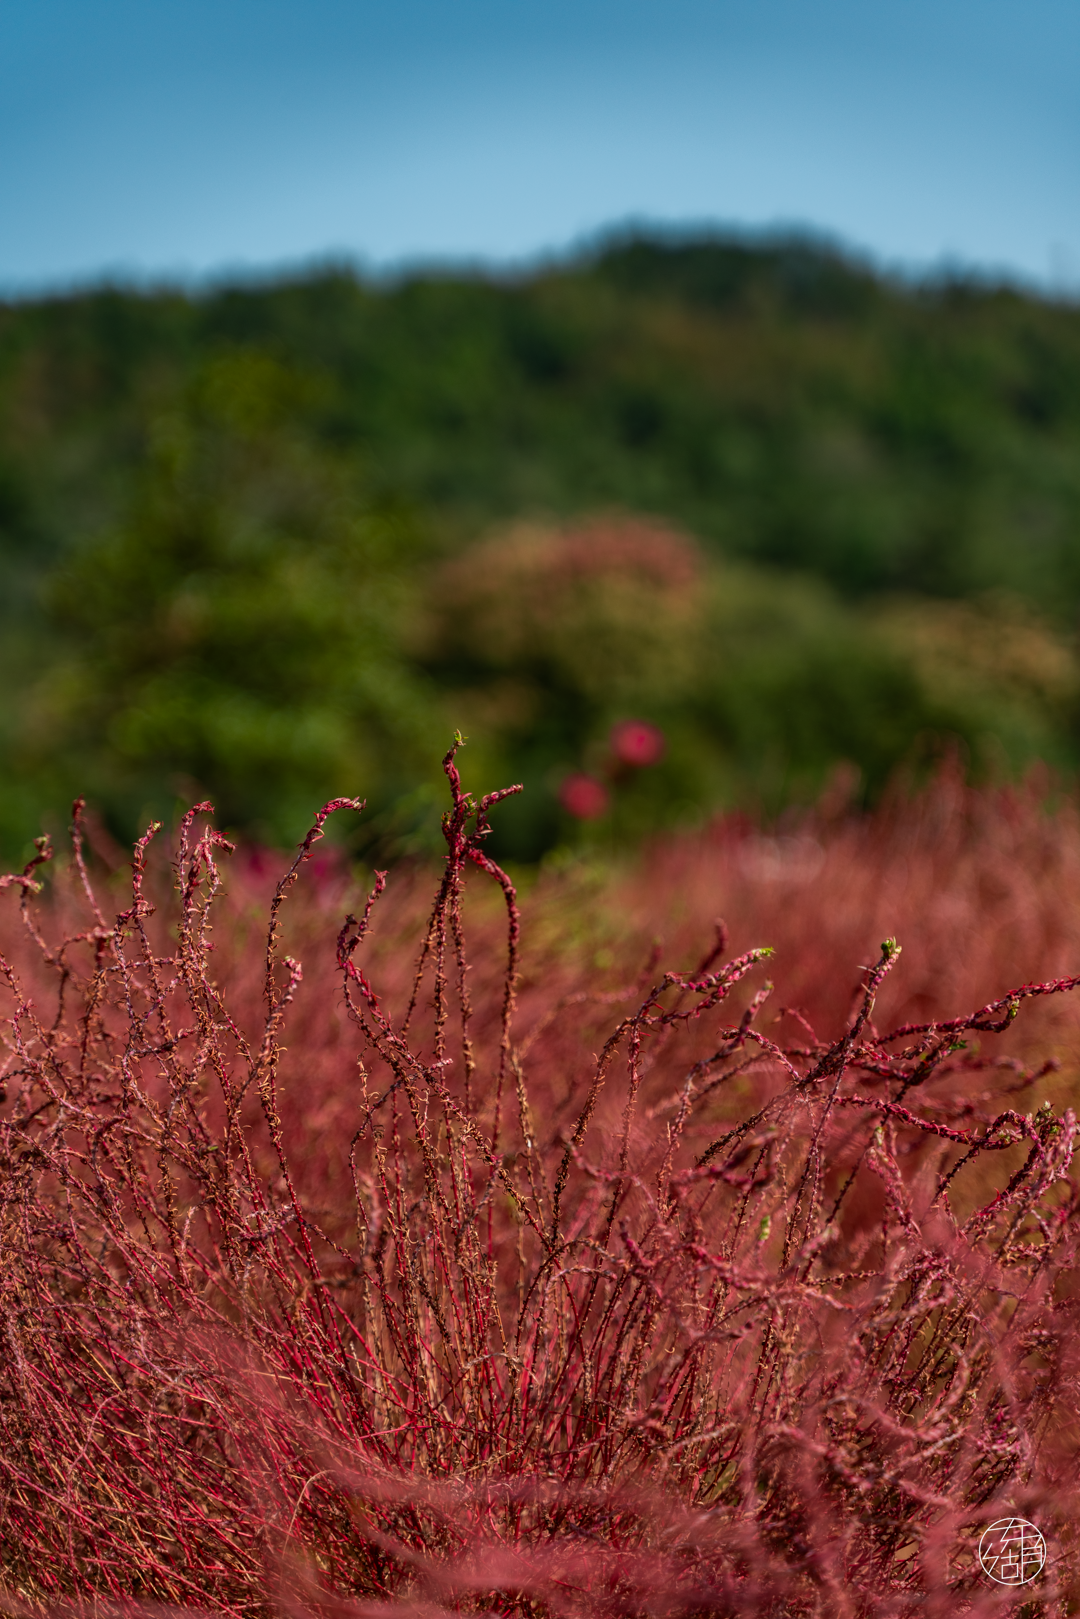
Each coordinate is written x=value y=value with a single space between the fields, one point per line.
x=223 y=515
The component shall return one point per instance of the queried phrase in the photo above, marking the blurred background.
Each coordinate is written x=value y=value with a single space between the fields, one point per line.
x=681 y=401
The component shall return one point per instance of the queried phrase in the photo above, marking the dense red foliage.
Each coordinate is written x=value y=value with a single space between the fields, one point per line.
x=566 y=1282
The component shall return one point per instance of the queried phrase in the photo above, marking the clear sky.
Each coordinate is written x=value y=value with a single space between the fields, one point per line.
x=169 y=137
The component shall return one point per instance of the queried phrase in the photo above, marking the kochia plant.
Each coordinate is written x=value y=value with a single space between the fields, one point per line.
x=685 y=1317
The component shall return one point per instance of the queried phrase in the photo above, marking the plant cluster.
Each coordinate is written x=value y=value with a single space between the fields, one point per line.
x=490 y=1286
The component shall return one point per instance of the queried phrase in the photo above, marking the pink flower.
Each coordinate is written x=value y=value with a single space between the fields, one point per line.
x=637 y=743
x=583 y=797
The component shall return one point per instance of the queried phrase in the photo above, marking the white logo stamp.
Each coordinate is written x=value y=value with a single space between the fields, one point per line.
x=1012 y=1551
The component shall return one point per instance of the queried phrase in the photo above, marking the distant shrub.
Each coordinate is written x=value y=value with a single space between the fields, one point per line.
x=493 y=1285
x=564 y=651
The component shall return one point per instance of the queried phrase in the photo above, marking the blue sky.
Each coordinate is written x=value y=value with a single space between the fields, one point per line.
x=176 y=137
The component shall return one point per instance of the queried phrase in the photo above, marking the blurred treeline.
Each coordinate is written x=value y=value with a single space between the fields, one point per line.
x=273 y=542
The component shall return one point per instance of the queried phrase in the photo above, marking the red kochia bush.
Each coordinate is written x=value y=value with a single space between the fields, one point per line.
x=680 y=1317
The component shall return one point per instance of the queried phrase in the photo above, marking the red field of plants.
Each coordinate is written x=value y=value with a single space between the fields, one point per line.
x=450 y=1251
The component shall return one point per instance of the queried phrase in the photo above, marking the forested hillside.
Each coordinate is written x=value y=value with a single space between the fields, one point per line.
x=268 y=541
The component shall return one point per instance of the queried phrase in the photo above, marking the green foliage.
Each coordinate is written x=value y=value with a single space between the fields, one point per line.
x=212 y=576
x=239 y=633
x=760 y=681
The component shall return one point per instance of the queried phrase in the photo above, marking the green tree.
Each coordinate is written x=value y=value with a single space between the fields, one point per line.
x=239 y=632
